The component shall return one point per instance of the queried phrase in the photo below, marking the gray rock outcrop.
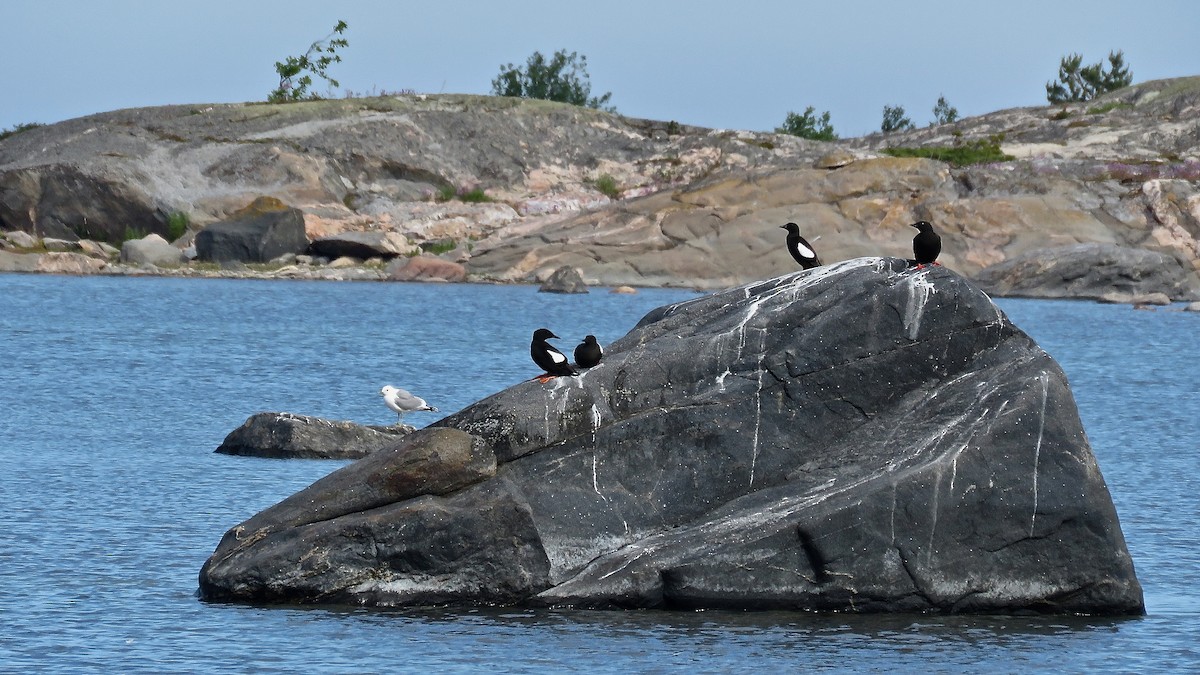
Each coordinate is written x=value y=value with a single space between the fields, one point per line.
x=1091 y=271
x=362 y=245
x=425 y=268
x=70 y=200
x=19 y=239
x=19 y=262
x=260 y=232
x=858 y=437
x=698 y=207
x=287 y=436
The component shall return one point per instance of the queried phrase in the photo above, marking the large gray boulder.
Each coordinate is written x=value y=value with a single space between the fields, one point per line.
x=288 y=436
x=1090 y=271
x=151 y=249
x=260 y=232
x=858 y=437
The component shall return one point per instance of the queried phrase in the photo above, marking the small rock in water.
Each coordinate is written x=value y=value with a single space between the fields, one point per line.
x=564 y=280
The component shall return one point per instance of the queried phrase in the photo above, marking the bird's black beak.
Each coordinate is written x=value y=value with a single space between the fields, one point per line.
x=913 y=225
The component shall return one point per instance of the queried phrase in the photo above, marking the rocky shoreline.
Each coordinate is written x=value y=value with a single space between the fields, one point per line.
x=488 y=189
x=1150 y=293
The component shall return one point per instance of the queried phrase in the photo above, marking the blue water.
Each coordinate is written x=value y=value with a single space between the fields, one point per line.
x=115 y=391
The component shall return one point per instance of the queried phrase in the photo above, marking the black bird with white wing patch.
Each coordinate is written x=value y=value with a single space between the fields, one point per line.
x=547 y=357
x=799 y=247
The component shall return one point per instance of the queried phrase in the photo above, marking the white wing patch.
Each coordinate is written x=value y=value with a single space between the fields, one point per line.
x=805 y=251
x=557 y=357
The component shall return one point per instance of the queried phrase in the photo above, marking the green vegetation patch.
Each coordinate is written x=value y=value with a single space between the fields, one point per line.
x=439 y=246
x=607 y=186
x=473 y=195
x=961 y=154
x=1108 y=107
x=765 y=145
x=177 y=224
x=18 y=128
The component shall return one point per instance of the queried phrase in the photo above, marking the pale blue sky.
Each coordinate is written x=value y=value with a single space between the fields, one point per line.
x=740 y=65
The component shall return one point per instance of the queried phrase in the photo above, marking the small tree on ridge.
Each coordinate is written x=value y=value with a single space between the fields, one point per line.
x=808 y=125
x=320 y=55
x=1077 y=82
x=894 y=119
x=564 y=78
x=943 y=112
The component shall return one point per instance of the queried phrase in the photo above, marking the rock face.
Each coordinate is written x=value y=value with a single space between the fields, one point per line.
x=63 y=199
x=262 y=231
x=698 y=207
x=856 y=437
x=288 y=436
x=1090 y=271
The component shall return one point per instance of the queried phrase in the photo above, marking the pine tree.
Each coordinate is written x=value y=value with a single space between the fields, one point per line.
x=894 y=119
x=943 y=112
x=564 y=78
x=808 y=125
x=1077 y=82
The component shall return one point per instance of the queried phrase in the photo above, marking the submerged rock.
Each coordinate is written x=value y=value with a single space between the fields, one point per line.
x=288 y=436
x=857 y=437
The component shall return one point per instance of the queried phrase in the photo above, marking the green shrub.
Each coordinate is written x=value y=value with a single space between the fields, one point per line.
x=474 y=195
x=18 y=128
x=607 y=186
x=808 y=125
x=177 y=224
x=439 y=246
x=133 y=233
